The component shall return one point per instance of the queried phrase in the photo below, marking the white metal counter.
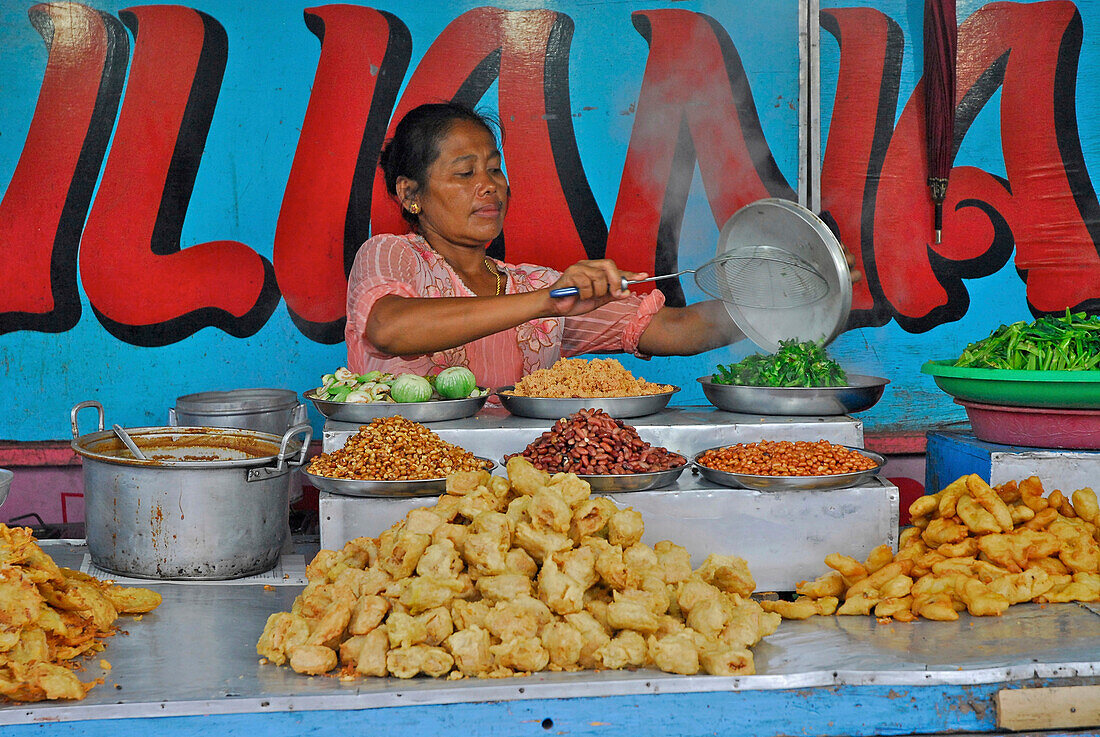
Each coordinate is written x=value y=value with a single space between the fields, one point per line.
x=195 y=655
x=781 y=534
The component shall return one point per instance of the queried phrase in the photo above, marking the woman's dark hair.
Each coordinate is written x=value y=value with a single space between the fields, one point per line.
x=415 y=142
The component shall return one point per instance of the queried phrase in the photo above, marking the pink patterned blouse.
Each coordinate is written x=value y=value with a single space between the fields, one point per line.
x=407 y=266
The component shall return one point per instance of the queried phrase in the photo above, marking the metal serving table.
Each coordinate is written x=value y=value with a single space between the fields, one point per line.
x=783 y=535
x=191 y=667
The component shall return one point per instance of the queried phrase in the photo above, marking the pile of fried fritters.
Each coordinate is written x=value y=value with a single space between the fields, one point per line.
x=507 y=576
x=50 y=615
x=973 y=548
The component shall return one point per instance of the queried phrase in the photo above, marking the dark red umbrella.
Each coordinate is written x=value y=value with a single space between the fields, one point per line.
x=941 y=33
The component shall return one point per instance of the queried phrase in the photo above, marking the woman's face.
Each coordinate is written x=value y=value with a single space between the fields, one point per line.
x=465 y=197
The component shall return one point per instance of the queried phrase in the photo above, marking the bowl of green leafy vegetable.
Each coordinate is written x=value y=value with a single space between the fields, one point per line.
x=798 y=379
x=1052 y=362
x=1069 y=342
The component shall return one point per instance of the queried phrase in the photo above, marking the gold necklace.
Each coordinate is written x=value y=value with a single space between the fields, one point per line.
x=492 y=269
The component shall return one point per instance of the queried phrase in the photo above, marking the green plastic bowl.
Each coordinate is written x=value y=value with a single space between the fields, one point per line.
x=1056 y=389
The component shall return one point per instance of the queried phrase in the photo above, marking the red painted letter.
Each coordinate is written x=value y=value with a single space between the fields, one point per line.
x=326 y=207
x=143 y=287
x=695 y=105
x=1047 y=208
x=43 y=210
x=863 y=118
x=552 y=205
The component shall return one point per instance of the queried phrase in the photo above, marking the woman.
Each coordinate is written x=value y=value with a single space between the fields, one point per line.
x=427 y=300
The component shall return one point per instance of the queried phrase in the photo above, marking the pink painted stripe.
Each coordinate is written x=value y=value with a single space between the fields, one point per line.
x=899 y=442
x=15 y=454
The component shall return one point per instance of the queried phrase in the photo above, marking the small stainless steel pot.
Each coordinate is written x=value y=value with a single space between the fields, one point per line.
x=209 y=503
x=266 y=410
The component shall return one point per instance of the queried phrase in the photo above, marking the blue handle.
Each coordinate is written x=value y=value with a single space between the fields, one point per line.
x=573 y=291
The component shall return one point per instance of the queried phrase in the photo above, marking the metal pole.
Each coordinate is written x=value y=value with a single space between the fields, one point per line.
x=809 y=104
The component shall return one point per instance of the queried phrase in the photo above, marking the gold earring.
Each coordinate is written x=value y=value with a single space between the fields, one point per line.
x=414 y=209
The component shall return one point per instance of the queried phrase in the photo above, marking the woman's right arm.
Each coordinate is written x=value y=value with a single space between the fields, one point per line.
x=407 y=326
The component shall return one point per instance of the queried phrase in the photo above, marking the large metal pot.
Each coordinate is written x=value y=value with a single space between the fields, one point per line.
x=208 y=503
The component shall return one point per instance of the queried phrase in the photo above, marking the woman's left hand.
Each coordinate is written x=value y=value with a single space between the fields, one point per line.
x=597 y=282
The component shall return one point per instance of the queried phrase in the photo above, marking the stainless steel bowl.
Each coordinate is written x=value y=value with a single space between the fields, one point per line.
x=790 y=483
x=862 y=392
x=436 y=410
x=372 y=488
x=617 y=482
x=6 y=477
x=553 y=408
x=609 y=483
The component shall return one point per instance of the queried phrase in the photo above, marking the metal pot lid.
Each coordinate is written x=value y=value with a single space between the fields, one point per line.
x=183 y=447
x=237 y=401
x=792 y=228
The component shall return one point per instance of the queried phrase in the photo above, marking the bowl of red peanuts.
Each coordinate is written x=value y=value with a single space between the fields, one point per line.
x=605 y=452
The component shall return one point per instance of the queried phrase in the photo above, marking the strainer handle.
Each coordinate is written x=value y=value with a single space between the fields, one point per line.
x=573 y=291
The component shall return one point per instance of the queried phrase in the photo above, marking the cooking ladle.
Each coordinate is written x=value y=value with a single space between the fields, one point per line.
x=125 y=438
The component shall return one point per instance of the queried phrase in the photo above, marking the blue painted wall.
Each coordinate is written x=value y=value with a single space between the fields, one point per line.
x=254 y=131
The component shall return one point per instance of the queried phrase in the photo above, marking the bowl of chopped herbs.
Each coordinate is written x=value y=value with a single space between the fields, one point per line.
x=798 y=379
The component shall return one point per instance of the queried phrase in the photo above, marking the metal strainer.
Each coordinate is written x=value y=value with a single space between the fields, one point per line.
x=792 y=282
x=760 y=276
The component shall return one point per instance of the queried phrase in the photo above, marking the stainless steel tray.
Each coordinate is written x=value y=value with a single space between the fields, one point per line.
x=633 y=481
x=619 y=482
x=437 y=410
x=862 y=392
x=790 y=483
x=371 y=488
x=553 y=408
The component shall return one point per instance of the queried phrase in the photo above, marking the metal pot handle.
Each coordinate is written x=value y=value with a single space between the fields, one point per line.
x=82 y=405
x=306 y=430
x=280 y=467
